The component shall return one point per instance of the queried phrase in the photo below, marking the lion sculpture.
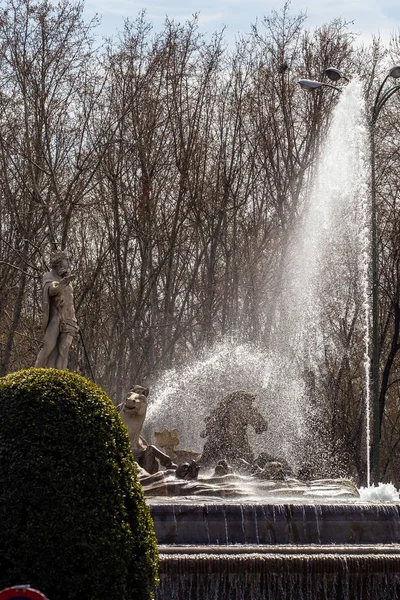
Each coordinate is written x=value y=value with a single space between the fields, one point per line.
x=133 y=413
x=226 y=430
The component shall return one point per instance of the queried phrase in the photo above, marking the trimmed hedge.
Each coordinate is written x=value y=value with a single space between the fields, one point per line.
x=73 y=521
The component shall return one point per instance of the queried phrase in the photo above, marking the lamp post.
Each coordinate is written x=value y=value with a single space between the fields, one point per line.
x=380 y=100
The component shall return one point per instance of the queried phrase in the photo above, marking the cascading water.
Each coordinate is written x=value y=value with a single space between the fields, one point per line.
x=279 y=576
x=324 y=288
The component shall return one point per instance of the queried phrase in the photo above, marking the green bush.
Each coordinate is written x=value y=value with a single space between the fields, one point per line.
x=73 y=521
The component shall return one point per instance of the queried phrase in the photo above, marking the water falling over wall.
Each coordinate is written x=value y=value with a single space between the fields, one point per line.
x=326 y=576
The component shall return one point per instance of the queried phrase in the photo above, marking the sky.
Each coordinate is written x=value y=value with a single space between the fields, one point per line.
x=367 y=17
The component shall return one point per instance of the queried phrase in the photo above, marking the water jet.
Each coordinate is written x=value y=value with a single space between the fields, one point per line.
x=315 y=540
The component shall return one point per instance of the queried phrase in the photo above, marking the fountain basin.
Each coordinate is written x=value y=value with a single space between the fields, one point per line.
x=297 y=541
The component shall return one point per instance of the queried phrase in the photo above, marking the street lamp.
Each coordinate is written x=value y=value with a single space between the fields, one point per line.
x=332 y=74
x=381 y=98
x=335 y=74
x=309 y=85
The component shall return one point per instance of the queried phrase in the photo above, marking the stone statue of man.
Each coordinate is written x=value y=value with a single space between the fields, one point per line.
x=59 y=322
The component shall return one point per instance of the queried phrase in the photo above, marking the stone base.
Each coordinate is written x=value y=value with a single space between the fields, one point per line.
x=274 y=524
x=293 y=572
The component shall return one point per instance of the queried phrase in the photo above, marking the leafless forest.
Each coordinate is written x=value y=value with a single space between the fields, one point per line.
x=172 y=168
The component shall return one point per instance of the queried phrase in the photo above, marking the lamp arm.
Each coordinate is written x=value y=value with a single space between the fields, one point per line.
x=382 y=101
x=379 y=93
x=334 y=87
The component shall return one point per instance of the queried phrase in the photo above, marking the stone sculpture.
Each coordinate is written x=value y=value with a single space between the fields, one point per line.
x=269 y=467
x=168 y=440
x=133 y=413
x=59 y=321
x=222 y=468
x=226 y=430
x=188 y=471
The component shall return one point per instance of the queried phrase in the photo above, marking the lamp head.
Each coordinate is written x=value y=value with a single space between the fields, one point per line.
x=334 y=74
x=395 y=72
x=309 y=84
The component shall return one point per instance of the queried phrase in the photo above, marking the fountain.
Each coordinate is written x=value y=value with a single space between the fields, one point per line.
x=285 y=540
x=328 y=251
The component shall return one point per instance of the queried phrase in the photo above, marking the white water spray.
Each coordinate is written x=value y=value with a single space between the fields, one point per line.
x=325 y=287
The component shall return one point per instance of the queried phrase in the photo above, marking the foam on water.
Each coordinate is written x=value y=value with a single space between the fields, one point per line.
x=384 y=492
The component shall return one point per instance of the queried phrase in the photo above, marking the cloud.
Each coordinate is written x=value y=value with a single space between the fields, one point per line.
x=366 y=17
x=123 y=8
x=204 y=18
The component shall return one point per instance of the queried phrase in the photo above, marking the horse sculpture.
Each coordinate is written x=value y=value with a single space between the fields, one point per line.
x=226 y=430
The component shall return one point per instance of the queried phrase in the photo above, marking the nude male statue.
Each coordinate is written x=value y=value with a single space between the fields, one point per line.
x=59 y=322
